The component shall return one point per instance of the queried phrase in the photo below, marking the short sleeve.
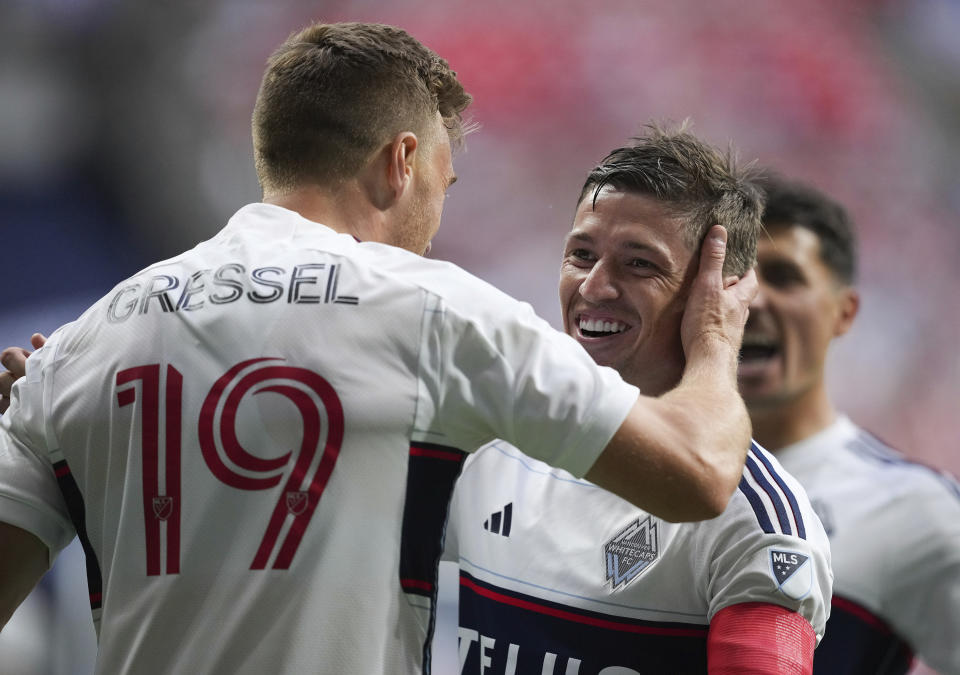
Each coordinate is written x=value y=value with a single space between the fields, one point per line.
x=512 y=376
x=768 y=546
x=29 y=495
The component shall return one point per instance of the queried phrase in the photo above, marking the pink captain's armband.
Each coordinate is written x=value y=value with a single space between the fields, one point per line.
x=758 y=637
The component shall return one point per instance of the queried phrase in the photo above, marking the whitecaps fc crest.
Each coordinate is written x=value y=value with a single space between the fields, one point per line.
x=631 y=551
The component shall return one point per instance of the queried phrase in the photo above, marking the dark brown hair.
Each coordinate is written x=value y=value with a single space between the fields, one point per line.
x=790 y=203
x=702 y=185
x=333 y=93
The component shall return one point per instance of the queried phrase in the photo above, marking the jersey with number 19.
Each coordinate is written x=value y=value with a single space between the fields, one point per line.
x=256 y=442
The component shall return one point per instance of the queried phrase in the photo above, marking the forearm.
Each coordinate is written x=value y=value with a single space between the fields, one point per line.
x=22 y=564
x=707 y=411
x=691 y=442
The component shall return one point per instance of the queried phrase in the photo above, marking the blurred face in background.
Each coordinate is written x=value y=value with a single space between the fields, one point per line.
x=624 y=278
x=800 y=308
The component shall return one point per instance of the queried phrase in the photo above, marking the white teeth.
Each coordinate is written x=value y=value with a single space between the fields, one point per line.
x=596 y=326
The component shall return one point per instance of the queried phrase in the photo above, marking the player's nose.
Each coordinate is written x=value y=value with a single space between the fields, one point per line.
x=599 y=284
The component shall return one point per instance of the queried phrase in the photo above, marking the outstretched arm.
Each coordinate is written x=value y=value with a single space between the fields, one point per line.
x=680 y=456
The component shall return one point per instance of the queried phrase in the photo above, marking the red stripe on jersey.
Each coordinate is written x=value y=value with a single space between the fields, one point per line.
x=417 y=584
x=62 y=471
x=861 y=613
x=580 y=618
x=449 y=455
x=150 y=449
x=174 y=396
x=126 y=397
x=757 y=637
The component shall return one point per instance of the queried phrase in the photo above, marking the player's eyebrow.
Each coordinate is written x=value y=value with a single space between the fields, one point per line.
x=587 y=239
x=579 y=236
x=658 y=254
x=453 y=179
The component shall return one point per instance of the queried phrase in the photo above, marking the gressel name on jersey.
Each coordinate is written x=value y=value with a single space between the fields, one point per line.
x=307 y=283
x=259 y=485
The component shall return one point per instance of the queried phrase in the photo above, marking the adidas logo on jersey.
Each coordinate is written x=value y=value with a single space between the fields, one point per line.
x=499 y=522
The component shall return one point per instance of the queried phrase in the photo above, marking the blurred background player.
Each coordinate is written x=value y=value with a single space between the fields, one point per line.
x=557 y=575
x=894 y=525
x=230 y=418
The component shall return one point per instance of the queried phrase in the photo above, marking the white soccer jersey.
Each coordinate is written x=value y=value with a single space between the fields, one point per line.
x=256 y=442
x=894 y=529
x=560 y=576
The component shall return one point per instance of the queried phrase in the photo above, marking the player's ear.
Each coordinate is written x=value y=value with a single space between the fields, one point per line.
x=848 y=304
x=387 y=176
x=402 y=150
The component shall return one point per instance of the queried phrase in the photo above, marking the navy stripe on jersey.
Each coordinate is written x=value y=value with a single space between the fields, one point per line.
x=78 y=514
x=857 y=642
x=772 y=493
x=520 y=633
x=758 y=508
x=787 y=492
x=432 y=471
x=869 y=446
x=758 y=471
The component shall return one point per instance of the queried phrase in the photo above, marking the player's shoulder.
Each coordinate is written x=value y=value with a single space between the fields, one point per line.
x=884 y=465
x=499 y=461
x=770 y=499
x=768 y=545
x=458 y=290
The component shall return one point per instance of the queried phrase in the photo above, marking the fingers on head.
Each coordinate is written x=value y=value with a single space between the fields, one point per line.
x=714 y=249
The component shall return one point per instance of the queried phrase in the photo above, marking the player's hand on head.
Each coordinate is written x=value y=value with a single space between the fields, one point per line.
x=717 y=308
x=14 y=359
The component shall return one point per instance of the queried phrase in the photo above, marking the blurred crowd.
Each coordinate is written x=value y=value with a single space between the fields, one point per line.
x=124 y=137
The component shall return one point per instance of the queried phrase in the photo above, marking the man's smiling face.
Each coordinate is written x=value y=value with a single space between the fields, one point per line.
x=624 y=279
